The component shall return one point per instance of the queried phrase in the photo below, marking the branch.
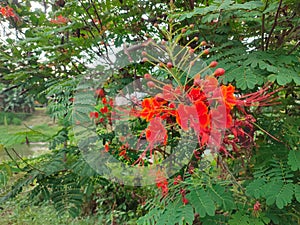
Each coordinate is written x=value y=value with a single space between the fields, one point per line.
x=294 y=48
x=274 y=25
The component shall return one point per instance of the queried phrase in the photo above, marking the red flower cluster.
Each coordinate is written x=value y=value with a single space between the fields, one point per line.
x=8 y=12
x=162 y=183
x=205 y=107
x=59 y=20
x=104 y=108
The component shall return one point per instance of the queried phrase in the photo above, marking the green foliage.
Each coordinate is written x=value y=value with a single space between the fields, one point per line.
x=241 y=218
x=275 y=184
x=202 y=203
x=249 y=39
x=294 y=160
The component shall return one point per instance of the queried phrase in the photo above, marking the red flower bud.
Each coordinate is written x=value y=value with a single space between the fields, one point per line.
x=213 y=64
x=206 y=51
x=191 y=51
x=256 y=206
x=185 y=200
x=219 y=72
x=145 y=59
x=150 y=84
x=144 y=53
x=100 y=93
x=203 y=43
x=147 y=76
x=169 y=65
x=183 y=30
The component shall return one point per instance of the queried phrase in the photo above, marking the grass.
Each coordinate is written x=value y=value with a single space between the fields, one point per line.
x=36 y=129
x=18 y=212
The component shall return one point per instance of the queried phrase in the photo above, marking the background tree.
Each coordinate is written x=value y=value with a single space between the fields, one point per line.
x=254 y=41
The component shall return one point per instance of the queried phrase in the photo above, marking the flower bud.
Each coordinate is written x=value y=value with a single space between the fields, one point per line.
x=206 y=51
x=191 y=51
x=169 y=65
x=203 y=43
x=147 y=76
x=219 y=72
x=213 y=64
x=150 y=84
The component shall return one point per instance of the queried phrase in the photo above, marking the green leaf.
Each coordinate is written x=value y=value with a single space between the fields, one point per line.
x=202 y=202
x=246 y=79
x=221 y=197
x=239 y=218
x=186 y=214
x=294 y=160
x=297 y=192
x=255 y=189
x=280 y=193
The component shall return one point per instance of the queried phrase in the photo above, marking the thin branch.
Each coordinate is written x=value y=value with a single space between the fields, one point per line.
x=274 y=25
x=12 y=158
x=17 y=154
x=295 y=47
x=262 y=31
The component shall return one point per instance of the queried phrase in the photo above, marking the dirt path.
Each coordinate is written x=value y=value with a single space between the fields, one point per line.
x=39 y=117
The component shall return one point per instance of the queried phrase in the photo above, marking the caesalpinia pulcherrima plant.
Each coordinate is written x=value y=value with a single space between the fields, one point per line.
x=215 y=113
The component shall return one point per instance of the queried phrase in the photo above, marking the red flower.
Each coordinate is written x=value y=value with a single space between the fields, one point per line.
x=100 y=93
x=106 y=147
x=3 y=11
x=60 y=20
x=194 y=116
x=104 y=100
x=168 y=92
x=210 y=84
x=185 y=200
x=162 y=183
x=94 y=114
x=177 y=180
x=220 y=117
x=7 y=12
x=111 y=102
x=104 y=110
x=151 y=107
x=256 y=206
x=187 y=117
x=228 y=96
x=196 y=94
x=156 y=132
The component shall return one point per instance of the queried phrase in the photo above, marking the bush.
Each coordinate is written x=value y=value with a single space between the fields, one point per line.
x=8 y=118
x=16 y=121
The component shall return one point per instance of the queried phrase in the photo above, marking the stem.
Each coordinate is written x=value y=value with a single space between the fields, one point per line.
x=265 y=132
x=262 y=32
x=274 y=24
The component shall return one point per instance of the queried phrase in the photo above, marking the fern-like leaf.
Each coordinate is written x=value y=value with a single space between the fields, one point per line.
x=279 y=193
x=221 y=197
x=297 y=192
x=256 y=188
x=294 y=160
x=202 y=202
